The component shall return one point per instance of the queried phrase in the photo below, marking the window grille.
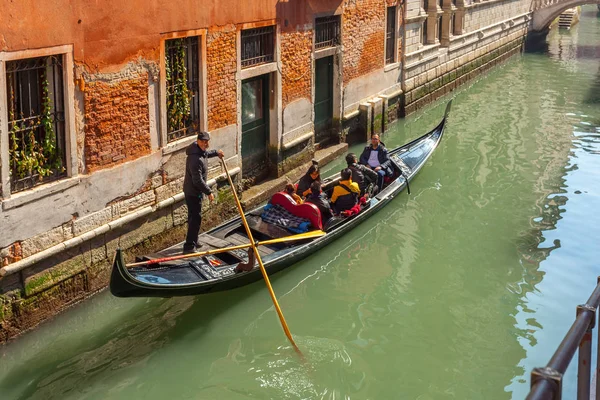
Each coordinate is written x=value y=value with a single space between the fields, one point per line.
x=183 y=87
x=258 y=46
x=36 y=121
x=390 y=36
x=327 y=32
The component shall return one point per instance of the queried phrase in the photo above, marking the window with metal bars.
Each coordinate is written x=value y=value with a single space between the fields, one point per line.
x=424 y=32
x=36 y=121
x=258 y=46
x=183 y=87
x=439 y=27
x=390 y=36
x=327 y=31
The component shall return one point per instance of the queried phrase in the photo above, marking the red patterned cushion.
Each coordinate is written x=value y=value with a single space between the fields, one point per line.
x=306 y=210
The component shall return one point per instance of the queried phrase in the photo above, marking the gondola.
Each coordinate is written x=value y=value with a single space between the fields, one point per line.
x=217 y=272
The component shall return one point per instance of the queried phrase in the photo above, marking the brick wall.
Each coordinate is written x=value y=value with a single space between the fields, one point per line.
x=363 y=35
x=117 y=127
x=296 y=48
x=221 y=58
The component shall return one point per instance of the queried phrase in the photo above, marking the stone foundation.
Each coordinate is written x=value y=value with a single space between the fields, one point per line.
x=52 y=285
x=447 y=82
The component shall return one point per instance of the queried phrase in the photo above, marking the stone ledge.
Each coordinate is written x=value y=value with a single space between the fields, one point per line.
x=262 y=192
x=20 y=199
x=178 y=145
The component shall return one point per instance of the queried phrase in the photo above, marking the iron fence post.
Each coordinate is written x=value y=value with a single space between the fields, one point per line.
x=544 y=379
x=598 y=361
x=585 y=355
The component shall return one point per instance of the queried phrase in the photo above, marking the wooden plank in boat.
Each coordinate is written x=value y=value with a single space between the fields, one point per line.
x=214 y=241
x=241 y=239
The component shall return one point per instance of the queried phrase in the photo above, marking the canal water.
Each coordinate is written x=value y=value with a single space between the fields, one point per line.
x=454 y=291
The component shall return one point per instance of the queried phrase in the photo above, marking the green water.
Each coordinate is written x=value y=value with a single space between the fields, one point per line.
x=454 y=291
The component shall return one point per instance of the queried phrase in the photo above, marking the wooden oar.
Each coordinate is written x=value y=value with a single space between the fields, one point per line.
x=300 y=236
x=260 y=263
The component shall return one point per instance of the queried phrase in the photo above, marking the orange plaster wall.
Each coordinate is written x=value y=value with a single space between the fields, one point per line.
x=107 y=34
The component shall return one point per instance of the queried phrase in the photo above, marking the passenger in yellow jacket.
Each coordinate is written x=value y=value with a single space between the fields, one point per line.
x=345 y=194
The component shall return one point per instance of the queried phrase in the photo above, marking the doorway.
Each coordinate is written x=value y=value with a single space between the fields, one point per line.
x=255 y=125
x=323 y=98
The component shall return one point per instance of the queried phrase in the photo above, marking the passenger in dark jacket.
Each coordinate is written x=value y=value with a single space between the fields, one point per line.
x=376 y=157
x=311 y=176
x=361 y=174
x=318 y=199
x=195 y=187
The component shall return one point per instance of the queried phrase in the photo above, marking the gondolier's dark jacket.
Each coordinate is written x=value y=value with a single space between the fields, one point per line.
x=196 y=170
x=382 y=156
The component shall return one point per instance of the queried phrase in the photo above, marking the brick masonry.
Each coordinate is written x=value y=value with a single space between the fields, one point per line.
x=221 y=58
x=363 y=35
x=117 y=127
x=296 y=80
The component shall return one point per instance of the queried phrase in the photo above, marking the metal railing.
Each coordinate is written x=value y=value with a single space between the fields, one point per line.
x=537 y=4
x=546 y=383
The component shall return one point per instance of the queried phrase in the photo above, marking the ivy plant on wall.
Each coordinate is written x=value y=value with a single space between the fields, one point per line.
x=178 y=93
x=28 y=155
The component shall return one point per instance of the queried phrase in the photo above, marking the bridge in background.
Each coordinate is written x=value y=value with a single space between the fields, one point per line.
x=546 y=11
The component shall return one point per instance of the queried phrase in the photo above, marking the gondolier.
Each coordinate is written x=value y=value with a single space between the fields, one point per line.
x=214 y=268
x=195 y=187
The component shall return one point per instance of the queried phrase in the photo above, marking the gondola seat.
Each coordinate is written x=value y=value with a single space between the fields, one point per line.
x=306 y=210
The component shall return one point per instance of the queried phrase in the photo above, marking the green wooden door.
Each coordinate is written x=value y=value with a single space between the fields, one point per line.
x=323 y=97
x=255 y=123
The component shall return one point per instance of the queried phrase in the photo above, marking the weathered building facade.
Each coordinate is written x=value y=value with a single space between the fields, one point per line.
x=98 y=102
x=448 y=42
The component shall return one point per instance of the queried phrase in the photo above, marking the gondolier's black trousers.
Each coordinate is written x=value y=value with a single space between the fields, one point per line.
x=194 y=206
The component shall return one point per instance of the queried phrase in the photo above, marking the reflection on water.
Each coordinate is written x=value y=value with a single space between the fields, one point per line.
x=455 y=291
x=130 y=340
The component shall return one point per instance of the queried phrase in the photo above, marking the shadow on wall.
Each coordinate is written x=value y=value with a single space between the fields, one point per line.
x=298 y=13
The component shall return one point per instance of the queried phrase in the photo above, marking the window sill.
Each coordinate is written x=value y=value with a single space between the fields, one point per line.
x=37 y=193
x=251 y=72
x=392 y=66
x=325 y=52
x=178 y=145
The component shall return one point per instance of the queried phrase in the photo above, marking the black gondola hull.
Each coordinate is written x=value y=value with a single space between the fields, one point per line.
x=124 y=282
